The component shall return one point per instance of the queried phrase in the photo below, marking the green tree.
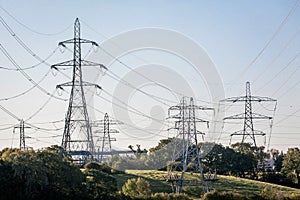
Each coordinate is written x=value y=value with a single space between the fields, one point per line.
x=291 y=163
x=277 y=156
x=245 y=161
x=137 y=188
x=28 y=171
x=99 y=182
x=46 y=174
x=65 y=178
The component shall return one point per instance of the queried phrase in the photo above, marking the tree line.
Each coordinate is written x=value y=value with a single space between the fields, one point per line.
x=51 y=174
x=239 y=159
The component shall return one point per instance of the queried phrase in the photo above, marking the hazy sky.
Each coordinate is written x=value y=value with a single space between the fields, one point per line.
x=256 y=41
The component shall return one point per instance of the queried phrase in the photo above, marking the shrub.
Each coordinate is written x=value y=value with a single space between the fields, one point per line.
x=137 y=188
x=215 y=195
x=167 y=196
x=271 y=193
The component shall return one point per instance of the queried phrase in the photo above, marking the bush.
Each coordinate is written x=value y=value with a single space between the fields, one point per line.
x=136 y=188
x=166 y=196
x=271 y=193
x=215 y=195
x=278 y=178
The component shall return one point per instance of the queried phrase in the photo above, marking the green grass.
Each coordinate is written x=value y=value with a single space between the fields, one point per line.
x=224 y=184
x=155 y=179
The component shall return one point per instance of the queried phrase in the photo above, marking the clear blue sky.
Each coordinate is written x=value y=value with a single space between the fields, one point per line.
x=233 y=33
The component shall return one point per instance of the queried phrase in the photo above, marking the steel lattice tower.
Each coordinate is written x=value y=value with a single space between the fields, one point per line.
x=77 y=136
x=105 y=140
x=186 y=149
x=22 y=128
x=248 y=116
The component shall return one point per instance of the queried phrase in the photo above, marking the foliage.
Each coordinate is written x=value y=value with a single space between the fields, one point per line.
x=215 y=195
x=162 y=143
x=278 y=157
x=157 y=158
x=44 y=174
x=238 y=160
x=271 y=193
x=138 y=152
x=167 y=196
x=291 y=163
x=99 y=182
x=277 y=178
x=137 y=188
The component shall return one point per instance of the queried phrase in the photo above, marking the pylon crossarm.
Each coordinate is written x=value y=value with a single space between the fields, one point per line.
x=241 y=132
x=106 y=138
x=71 y=41
x=260 y=99
x=201 y=120
x=90 y=63
x=203 y=108
x=172 y=128
x=200 y=133
x=63 y=64
x=254 y=116
x=256 y=132
x=110 y=131
x=234 y=99
x=177 y=116
x=260 y=116
x=178 y=108
x=244 y=98
x=237 y=116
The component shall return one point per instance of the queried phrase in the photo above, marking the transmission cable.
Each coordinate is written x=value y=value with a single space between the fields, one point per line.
x=33 y=66
x=25 y=74
x=28 y=90
x=32 y=30
x=292 y=10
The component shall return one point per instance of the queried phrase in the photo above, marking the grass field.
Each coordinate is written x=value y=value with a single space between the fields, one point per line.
x=225 y=183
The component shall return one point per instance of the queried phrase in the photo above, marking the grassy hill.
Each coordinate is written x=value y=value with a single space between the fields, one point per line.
x=246 y=187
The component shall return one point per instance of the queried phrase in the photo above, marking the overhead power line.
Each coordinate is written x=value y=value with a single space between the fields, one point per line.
x=281 y=25
x=32 y=30
x=25 y=74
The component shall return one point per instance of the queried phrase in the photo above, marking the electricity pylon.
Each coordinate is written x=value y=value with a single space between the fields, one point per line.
x=186 y=151
x=77 y=137
x=104 y=148
x=248 y=116
x=22 y=128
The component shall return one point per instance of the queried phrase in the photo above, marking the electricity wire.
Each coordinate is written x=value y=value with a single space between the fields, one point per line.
x=25 y=74
x=32 y=30
x=33 y=66
x=26 y=91
x=281 y=25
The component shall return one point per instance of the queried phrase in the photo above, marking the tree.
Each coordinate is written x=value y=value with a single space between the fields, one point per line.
x=162 y=143
x=137 y=188
x=99 y=182
x=291 y=163
x=27 y=170
x=138 y=152
x=277 y=156
x=237 y=161
x=47 y=174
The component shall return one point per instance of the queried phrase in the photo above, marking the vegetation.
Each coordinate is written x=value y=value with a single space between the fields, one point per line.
x=137 y=188
x=236 y=186
x=291 y=163
x=240 y=160
x=50 y=174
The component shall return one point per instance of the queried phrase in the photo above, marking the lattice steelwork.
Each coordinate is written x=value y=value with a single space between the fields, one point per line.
x=77 y=136
x=248 y=116
x=186 y=151
x=22 y=128
x=103 y=142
